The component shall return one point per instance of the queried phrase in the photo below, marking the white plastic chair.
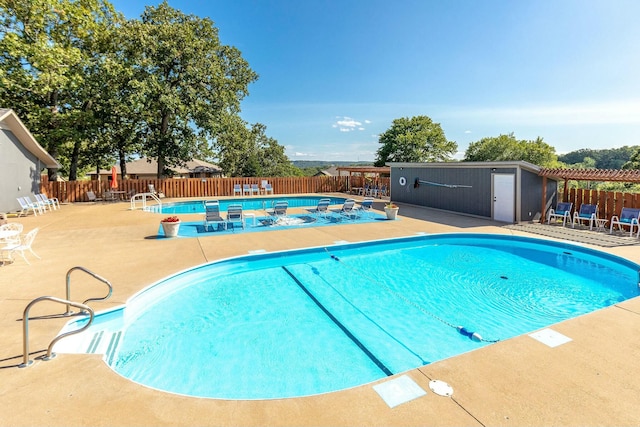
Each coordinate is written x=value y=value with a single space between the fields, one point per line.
x=628 y=217
x=246 y=190
x=212 y=214
x=563 y=210
x=366 y=206
x=24 y=245
x=237 y=190
x=11 y=232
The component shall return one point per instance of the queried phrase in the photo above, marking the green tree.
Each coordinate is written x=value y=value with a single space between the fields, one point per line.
x=508 y=148
x=47 y=47
x=415 y=139
x=187 y=81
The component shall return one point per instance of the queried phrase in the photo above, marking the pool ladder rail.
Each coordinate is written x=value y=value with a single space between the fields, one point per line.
x=69 y=303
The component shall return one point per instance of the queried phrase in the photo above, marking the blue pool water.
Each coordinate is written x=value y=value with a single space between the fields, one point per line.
x=251 y=203
x=317 y=320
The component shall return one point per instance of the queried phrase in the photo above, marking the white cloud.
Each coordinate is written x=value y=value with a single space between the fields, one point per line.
x=347 y=124
x=467 y=131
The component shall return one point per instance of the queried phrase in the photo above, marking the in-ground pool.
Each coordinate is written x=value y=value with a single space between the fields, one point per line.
x=249 y=203
x=317 y=320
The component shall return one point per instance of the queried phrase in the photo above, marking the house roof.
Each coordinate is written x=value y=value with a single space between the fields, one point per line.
x=147 y=166
x=10 y=121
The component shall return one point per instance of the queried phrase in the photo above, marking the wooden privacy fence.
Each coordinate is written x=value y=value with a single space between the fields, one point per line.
x=609 y=203
x=76 y=191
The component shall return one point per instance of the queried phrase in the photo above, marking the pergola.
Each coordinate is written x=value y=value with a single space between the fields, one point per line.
x=611 y=175
x=364 y=170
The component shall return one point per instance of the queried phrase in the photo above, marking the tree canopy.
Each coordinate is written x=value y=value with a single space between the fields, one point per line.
x=93 y=87
x=415 y=139
x=508 y=148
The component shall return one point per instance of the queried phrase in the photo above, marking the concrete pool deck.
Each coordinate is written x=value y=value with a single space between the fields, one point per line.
x=592 y=380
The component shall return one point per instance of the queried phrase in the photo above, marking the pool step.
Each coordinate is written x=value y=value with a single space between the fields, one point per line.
x=104 y=342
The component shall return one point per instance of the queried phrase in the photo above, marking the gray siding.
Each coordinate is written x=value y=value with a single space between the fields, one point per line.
x=477 y=200
x=19 y=172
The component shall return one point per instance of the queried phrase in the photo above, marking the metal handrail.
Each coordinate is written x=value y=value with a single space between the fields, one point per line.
x=91 y=273
x=25 y=327
x=143 y=199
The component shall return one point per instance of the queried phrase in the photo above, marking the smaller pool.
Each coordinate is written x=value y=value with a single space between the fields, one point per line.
x=250 y=204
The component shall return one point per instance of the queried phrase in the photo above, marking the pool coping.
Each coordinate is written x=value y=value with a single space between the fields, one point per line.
x=516 y=382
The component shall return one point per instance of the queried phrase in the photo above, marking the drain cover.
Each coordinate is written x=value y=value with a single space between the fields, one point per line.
x=440 y=388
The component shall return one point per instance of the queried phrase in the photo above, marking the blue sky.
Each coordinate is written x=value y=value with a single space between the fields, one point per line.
x=334 y=74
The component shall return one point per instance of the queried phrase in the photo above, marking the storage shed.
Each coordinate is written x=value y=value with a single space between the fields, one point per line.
x=22 y=160
x=509 y=192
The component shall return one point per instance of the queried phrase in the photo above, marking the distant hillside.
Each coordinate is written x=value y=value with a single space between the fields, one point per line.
x=323 y=164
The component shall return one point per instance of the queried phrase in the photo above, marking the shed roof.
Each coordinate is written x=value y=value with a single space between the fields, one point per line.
x=506 y=164
x=9 y=120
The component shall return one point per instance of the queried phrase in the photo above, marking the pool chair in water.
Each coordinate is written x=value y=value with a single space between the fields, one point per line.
x=348 y=209
x=628 y=217
x=235 y=215
x=278 y=211
x=562 y=211
x=366 y=206
x=586 y=213
x=322 y=209
x=212 y=215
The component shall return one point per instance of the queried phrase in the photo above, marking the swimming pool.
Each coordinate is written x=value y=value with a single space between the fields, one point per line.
x=251 y=203
x=316 y=320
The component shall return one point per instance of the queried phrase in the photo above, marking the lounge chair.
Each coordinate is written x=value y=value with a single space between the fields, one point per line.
x=246 y=190
x=44 y=205
x=322 y=208
x=27 y=205
x=366 y=206
x=563 y=210
x=628 y=217
x=348 y=209
x=53 y=201
x=24 y=245
x=234 y=215
x=237 y=190
x=278 y=211
x=212 y=215
x=587 y=213
x=255 y=189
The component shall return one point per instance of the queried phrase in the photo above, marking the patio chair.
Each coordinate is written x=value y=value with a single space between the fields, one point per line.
x=255 y=189
x=10 y=233
x=24 y=245
x=266 y=187
x=322 y=209
x=92 y=196
x=366 y=206
x=587 y=213
x=53 y=201
x=628 y=217
x=348 y=209
x=27 y=205
x=563 y=210
x=246 y=190
x=237 y=190
x=212 y=215
x=278 y=211
x=234 y=215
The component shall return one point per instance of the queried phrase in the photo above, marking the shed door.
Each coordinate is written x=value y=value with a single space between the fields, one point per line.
x=504 y=196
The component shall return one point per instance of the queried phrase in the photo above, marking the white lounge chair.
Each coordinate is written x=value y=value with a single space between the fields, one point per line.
x=563 y=211
x=366 y=206
x=24 y=245
x=628 y=217
x=212 y=215
x=348 y=209
x=44 y=205
x=278 y=211
x=266 y=187
x=255 y=189
x=27 y=206
x=322 y=209
x=235 y=215
x=237 y=190
x=51 y=202
x=246 y=190
x=586 y=213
